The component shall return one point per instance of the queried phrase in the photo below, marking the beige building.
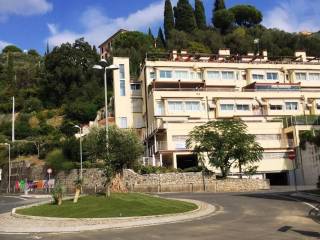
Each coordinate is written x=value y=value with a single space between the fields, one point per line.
x=179 y=91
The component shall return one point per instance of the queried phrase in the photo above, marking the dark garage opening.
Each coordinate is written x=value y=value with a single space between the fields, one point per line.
x=278 y=179
x=187 y=161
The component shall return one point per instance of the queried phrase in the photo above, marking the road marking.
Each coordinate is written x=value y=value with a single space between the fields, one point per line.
x=305 y=203
x=15 y=197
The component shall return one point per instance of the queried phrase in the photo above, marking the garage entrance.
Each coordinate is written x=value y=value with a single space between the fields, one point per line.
x=187 y=161
x=278 y=179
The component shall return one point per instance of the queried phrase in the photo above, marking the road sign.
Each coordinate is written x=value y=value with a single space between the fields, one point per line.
x=292 y=155
x=49 y=170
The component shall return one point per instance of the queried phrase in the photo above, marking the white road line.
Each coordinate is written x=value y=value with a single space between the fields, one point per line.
x=305 y=203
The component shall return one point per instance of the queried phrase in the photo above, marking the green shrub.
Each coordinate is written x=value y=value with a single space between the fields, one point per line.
x=57 y=194
x=57 y=161
x=193 y=169
x=152 y=170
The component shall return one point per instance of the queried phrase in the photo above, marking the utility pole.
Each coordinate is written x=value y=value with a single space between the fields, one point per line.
x=13 y=119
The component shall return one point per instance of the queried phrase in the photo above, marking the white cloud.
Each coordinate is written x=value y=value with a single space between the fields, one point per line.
x=23 y=7
x=294 y=16
x=98 y=27
x=3 y=44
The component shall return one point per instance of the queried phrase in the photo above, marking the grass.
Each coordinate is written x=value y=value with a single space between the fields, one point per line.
x=119 y=205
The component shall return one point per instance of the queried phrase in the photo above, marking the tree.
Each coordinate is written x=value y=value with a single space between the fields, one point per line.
x=246 y=15
x=218 y=5
x=150 y=34
x=223 y=19
x=200 y=15
x=184 y=16
x=160 y=41
x=33 y=52
x=124 y=148
x=220 y=142
x=168 y=19
x=248 y=151
x=11 y=49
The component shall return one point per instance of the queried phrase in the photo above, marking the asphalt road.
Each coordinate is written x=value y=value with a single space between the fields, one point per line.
x=244 y=216
x=7 y=202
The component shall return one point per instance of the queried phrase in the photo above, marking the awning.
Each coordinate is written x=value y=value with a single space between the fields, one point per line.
x=276 y=102
x=226 y=101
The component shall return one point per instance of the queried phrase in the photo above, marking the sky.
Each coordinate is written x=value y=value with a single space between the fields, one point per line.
x=31 y=24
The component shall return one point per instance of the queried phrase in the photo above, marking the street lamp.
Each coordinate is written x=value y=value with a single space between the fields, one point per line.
x=80 y=130
x=103 y=66
x=9 y=177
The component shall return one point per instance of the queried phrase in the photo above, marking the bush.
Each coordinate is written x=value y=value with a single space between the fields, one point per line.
x=193 y=169
x=32 y=105
x=152 y=170
x=57 y=194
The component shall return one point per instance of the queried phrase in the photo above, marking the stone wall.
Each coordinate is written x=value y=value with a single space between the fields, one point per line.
x=189 y=182
x=168 y=182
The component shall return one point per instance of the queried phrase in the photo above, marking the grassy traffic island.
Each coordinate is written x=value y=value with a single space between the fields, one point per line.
x=118 y=205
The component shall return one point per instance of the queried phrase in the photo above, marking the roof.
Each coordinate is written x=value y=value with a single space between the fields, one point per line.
x=113 y=36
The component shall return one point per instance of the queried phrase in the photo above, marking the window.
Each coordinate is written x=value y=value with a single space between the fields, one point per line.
x=175 y=106
x=153 y=75
x=181 y=74
x=314 y=76
x=122 y=87
x=257 y=76
x=179 y=141
x=263 y=137
x=272 y=76
x=195 y=75
x=274 y=155
x=123 y=122
x=135 y=86
x=275 y=107
x=165 y=74
x=136 y=105
x=243 y=107
x=291 y=106
x=215 y=75
x=122 y=72
x=226 y=107
x=193 y=106
x=301 y=76
x=227 y=75
x=159 y=108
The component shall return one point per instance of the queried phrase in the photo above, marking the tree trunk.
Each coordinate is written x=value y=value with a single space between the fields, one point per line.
x=107 y=190
x=77 y=195
x=60 y=200
x=240 y=170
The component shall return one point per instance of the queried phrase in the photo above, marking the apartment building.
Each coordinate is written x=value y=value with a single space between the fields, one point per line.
x=106 y=47
x=276 y=97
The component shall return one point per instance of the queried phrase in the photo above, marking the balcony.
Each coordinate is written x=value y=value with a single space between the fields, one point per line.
x=301 y=121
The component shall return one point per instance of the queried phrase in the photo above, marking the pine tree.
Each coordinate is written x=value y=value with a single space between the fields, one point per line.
x=219 y=5
x=48 y=49
x=184 y=14
x=150 y=34
x=200 y=15
x=168 y=18
x=160 y=41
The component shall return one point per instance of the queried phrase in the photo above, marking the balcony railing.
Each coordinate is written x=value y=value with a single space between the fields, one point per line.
x=301 y=120
x=162 y=145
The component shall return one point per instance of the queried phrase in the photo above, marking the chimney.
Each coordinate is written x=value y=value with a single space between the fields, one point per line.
x=302 y=55
x=224 y=52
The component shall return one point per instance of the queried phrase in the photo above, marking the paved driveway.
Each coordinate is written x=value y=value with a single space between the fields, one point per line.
x=7 y=202
x=245 y=216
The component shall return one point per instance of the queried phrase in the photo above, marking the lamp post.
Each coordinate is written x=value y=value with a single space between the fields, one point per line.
x=103 y=66
x=9 y=171
x=80 y=131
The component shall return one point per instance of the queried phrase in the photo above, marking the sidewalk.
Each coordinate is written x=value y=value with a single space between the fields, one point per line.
x=307 y=196
x=22 y=224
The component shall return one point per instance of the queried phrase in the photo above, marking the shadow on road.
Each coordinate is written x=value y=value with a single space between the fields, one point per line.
x=315 y=214
x=312 y=234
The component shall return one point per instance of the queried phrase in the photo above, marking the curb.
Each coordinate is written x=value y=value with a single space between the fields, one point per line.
x=53 y=225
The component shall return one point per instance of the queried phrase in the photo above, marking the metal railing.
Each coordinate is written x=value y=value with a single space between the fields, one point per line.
x=301 y=120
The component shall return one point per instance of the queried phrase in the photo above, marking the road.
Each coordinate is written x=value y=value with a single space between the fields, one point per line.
x=7 y=202
x=244 y=216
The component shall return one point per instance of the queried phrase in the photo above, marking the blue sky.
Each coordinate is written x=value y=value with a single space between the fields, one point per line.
x=32 y=23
